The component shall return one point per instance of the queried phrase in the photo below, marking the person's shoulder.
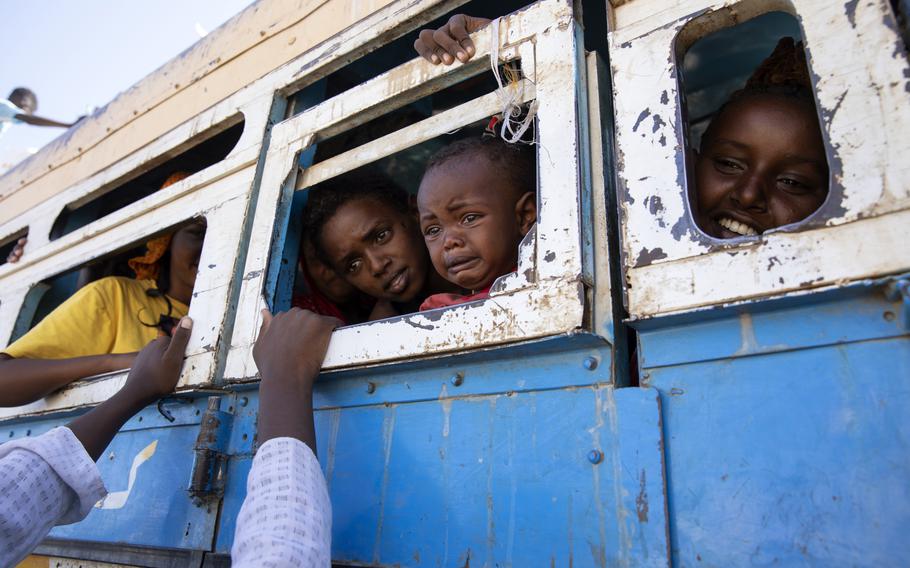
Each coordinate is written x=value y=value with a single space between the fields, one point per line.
x=119 y=285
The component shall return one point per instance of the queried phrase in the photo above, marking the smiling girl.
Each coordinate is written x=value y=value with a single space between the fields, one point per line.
x=762 y=162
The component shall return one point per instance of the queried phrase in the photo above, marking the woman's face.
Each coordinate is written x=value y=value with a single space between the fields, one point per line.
x=762 y=165
x=377 y=249
x=186 y=246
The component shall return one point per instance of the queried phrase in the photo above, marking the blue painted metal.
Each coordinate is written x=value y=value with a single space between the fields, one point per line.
x=786 y=432
x=158 y=511
x=499 y=479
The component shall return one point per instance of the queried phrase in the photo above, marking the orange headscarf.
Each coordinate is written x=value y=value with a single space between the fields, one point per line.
x=146 y=266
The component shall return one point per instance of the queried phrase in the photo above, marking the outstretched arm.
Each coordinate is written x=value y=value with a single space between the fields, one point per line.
x=154 y=374
x=52 y=479
x=27 y=380
x=289 y=353
x=286 y=518
x=41 y=121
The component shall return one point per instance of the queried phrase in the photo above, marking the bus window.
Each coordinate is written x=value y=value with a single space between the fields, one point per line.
x=756 y=148
x=194 y=155
x=374 y=127
x=673 y=68
x=165 y=275
x=320 y=279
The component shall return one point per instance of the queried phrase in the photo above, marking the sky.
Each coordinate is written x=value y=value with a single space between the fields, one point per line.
x=77 y=55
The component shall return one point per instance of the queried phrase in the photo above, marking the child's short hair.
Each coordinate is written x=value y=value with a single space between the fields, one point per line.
x=24 y=98
x=327 y=198
x=515 y=160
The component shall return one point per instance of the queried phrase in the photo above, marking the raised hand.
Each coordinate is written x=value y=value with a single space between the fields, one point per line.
x=451 y=41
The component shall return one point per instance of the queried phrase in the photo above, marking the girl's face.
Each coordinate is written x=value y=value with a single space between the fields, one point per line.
x=377 y=249
x=186 y=246
x=762 y=165
x=324 y=278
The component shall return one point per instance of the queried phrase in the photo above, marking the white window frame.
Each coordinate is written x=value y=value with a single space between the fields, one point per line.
x=545 y=296
x=219 y=192
x=222 y=192
x=861 y=81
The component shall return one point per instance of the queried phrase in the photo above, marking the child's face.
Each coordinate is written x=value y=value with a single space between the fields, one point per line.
x=472 y=220
x=377 y=249
x=324 y=278
x=761 y=166
x=185 y=249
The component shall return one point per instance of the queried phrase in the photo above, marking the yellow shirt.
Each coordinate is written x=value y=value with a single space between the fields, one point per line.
x=105 y=316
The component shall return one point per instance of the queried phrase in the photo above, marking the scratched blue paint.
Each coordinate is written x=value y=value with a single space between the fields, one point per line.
x=501 y=479
x=158 y=512
x=767 y=327
x=796 y=455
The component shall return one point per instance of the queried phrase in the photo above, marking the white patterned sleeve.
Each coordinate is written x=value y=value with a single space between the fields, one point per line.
x=286 y=518
x=44 y=481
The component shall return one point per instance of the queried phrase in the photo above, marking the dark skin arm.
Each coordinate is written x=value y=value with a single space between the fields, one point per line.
x=154 y=374
x=289 y=353
x=27 y=380
x=451 y=42
x=41 y=121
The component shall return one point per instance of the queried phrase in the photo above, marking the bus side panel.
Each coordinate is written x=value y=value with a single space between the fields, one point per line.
x=516 y=479
x=795 y=448
x=146 y=470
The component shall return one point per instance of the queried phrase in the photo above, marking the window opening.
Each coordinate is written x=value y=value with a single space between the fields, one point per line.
x=320 y=284
x=757 y=157
x=9 y=243
x=901 y=9
x=202 y=151
x=168 y=261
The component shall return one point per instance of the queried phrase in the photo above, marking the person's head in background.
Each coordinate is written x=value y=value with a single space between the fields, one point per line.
x=476 y=202
x=25 y=99
x=327 y=293
x=366 y=231
x=762 y=161
x=172 y=259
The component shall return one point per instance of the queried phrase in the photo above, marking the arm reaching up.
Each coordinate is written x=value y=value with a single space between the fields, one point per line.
x=52 y=479
x=450 y=42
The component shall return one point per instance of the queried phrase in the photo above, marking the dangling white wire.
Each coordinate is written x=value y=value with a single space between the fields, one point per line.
x=510 y=96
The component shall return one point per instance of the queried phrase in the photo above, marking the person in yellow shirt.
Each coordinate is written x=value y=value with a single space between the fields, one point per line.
x=101 y=328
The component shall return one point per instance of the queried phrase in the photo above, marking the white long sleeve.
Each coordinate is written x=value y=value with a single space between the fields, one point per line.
x=286 y=518
x=44 y=481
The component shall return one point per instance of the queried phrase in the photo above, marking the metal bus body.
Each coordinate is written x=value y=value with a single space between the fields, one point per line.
x=635 y=394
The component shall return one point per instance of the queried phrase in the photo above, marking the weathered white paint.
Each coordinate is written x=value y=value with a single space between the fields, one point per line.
x=862 y=93
x=250 y=46
x=520 y=307
x=545 y=296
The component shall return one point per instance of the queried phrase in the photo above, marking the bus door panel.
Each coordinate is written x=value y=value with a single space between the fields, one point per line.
x=527 y=457
x=147 y=470
x=781 y=359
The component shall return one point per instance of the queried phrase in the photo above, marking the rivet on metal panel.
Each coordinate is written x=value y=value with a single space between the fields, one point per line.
x=595 y=456
x=590 y=363
x=457 y=379
x=371 y=387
